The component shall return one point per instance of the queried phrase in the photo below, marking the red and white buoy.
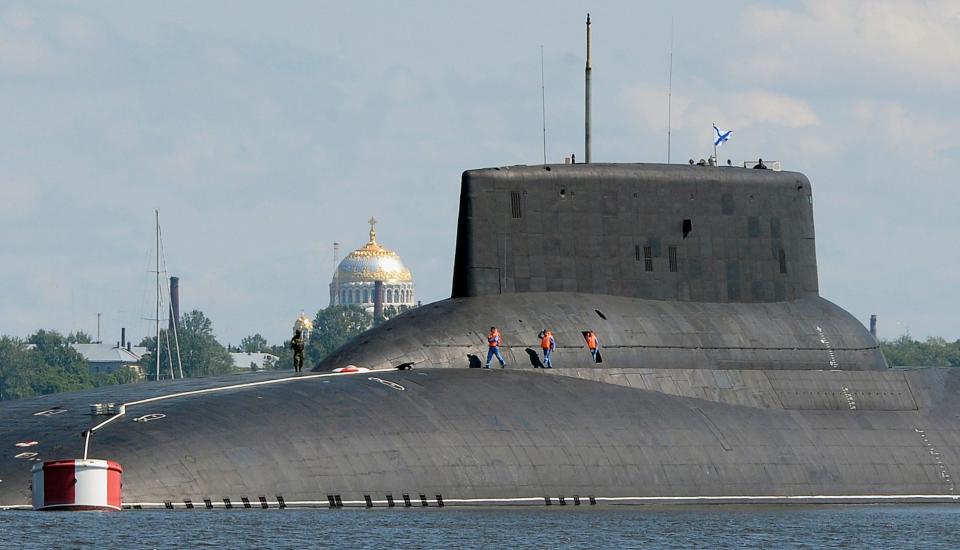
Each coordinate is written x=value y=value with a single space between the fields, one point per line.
x=77 y=485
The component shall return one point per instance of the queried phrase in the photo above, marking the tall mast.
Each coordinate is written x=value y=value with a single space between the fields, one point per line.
x=587 y=98
x=157 y=213
x=543 y=106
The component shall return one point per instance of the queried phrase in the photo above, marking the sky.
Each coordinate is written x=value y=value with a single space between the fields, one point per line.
x=263 y=132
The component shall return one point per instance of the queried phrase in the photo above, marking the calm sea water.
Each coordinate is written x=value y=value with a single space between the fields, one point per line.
x=928 y=526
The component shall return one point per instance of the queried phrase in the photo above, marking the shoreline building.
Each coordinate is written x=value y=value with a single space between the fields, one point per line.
x=355 y=279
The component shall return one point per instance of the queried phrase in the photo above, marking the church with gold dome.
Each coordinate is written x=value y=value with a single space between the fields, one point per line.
x=354 y=281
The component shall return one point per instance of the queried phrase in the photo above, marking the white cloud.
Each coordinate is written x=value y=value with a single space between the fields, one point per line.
x=740 y=108
x=917 y=136
x=876 y=41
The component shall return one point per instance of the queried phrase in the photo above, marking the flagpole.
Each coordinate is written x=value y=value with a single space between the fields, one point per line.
x=716 y=161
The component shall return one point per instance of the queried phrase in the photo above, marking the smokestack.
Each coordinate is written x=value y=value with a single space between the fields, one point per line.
x=586 y=124
x=123 y=337
x=873 y=325
x=335 y=286
x=175 y=301
x=377 y=301
x=128 y=346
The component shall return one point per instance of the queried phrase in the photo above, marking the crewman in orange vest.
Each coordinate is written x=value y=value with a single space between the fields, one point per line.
x=493 y=343
x=547 y=344
x=593 y=343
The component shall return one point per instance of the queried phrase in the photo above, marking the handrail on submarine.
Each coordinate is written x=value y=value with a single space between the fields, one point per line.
x=123 y=406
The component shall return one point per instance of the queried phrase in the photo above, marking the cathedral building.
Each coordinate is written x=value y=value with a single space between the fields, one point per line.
x=356 y=277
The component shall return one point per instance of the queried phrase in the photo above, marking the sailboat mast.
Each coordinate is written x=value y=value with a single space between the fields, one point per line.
x=157 y=213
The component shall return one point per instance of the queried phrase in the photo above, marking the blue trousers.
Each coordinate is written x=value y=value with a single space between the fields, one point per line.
x=594 y=352
x=547 y=363
x=494 y=351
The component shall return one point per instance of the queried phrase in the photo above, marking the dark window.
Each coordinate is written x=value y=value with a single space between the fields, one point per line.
x=648 y=258
x=636 y=251
x=516 y=209
x=753 y=226
x=687 y=228
x=672 y=256
x=783 y=261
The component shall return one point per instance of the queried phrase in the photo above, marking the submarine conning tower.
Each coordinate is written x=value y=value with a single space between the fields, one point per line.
x=672 y=266
x=658 y=232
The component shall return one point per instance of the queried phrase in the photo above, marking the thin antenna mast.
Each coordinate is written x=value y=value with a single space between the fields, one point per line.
x=587 y=98
x=670 y=94
x=157 y=350
x=543 y=105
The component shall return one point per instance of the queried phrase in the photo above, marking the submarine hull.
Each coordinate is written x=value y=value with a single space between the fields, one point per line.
x=726 y=377
x=477 y=436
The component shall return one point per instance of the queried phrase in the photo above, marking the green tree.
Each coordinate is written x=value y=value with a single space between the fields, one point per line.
x=200 y=352
x=51 y=366
x=934 y=352
x=79 y=337
x=333 y=327
x=253 y=344
x=19 y=368
x=284 y=354
x=63 y=368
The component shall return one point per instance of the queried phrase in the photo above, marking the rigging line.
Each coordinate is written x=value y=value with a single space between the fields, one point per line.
x=176 y=339
x=171 y=319
x=143 y=294
x=169 y=358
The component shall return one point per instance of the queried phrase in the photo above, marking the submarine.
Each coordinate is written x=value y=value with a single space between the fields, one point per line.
x=725 y=376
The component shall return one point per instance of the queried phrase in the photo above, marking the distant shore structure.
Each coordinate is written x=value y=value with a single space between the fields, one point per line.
x=356 y=277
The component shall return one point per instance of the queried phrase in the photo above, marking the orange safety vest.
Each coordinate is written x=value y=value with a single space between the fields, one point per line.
x=592 y=341
x=493 y=339
x=545 y=341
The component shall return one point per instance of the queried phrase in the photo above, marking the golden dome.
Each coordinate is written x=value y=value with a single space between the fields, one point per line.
x=303 y=323
x=373 y=262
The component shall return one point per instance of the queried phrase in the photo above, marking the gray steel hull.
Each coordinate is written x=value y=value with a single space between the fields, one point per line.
x=510 y=436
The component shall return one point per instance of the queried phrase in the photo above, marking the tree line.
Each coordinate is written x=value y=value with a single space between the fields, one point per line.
x=933 y=352
x=45 y=362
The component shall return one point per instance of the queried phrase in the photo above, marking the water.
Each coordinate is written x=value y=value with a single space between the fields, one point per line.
x=887 y=526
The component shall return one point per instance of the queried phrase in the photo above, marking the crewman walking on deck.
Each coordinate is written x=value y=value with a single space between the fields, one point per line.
x=296 y=344
x=547 y=344
x=493 y=343
x=593 y=344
